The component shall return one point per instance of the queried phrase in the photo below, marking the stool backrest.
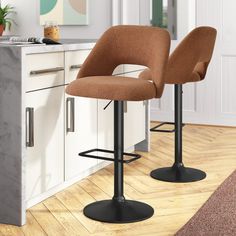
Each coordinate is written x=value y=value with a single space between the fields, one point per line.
x=140 y=45
x=190 y=60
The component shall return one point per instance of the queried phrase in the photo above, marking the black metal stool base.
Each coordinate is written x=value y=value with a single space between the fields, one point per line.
x=112 y=211
x=178 y=174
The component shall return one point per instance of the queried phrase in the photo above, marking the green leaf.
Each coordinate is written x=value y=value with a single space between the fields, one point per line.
x=4 y=16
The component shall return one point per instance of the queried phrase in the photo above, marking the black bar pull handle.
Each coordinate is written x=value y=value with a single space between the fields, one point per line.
x=29 y=127
x=75 y=67
x=70 y=115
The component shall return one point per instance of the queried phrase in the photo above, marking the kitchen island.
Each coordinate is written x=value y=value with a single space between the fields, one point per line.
x=42 y=129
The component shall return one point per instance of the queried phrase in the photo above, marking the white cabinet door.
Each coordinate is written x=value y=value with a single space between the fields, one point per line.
x=44 y=135
x=106 y=120
x=134 y=119
x=81 y=121
x=105 y=125
x=80 y=134
x=134 y=126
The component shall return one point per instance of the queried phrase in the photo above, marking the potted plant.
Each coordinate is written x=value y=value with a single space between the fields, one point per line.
x=5 y=20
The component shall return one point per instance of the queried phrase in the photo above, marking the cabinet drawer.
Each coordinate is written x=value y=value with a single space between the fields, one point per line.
x=73 y=62
x=44 y=70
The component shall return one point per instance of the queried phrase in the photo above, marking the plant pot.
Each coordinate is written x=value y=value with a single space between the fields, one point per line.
x=1 y=29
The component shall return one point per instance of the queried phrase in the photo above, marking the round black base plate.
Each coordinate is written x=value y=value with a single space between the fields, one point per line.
x=112 y=211
x=178 y=174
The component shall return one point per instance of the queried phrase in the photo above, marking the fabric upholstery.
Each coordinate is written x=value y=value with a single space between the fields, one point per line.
x=190 y=60
x=141 y=45
x=118 y=88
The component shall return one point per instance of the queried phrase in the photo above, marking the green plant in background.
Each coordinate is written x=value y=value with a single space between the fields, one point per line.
x=5 y=19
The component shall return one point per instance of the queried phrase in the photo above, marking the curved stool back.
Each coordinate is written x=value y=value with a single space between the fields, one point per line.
x=190 y=60
x=138 y=45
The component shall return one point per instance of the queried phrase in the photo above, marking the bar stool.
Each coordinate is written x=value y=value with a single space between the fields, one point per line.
x=140 y=45
x=188 y=63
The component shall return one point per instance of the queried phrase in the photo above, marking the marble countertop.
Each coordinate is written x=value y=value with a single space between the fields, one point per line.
x=77 y=41
x=66 y=45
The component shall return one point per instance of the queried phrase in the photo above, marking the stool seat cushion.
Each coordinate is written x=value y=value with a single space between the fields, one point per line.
x=112 y=88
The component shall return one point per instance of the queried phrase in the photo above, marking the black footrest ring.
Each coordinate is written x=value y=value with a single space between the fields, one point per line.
x=155 y=129
x=87 y=154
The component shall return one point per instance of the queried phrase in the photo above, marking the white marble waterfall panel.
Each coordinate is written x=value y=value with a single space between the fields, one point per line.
x=11 y=160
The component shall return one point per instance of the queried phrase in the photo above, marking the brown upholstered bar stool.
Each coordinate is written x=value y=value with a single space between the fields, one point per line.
x=188 y=63
x=140 y=45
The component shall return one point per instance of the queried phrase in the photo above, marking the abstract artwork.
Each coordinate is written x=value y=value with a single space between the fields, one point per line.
x=64 y=12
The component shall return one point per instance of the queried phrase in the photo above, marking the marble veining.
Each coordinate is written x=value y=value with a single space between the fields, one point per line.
x=11 y=202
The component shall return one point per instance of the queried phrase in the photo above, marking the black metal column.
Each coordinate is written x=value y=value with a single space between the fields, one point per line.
x=178 y=123
x=118 y=151
x=178 y=173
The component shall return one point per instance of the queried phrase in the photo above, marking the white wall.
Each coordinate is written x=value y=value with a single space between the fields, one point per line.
x=100 y=18
x=185 y=17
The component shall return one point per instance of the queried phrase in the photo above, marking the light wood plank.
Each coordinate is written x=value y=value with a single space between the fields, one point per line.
x=32 y=227
x=47 y=221
x=65 y=217
x=8 y=230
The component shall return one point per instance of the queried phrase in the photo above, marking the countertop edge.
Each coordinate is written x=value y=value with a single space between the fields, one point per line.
x=32 y=49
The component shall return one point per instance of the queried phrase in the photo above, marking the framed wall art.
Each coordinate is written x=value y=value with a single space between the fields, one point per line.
x=64 y=12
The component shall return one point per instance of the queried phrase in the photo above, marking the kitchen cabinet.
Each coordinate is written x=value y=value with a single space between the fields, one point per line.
x=65 y=125
x=44 y=129
x=44 y=141
x=80 y=122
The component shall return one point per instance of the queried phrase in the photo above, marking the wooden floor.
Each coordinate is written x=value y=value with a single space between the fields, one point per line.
x=212 y=149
